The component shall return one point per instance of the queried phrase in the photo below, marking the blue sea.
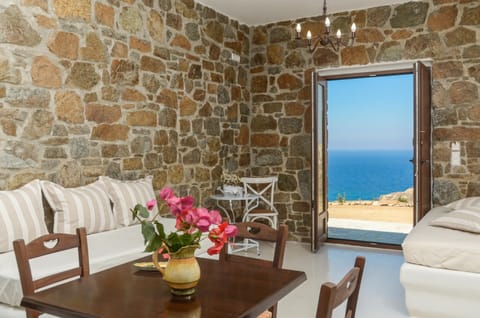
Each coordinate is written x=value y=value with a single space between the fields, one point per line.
x=367 y=174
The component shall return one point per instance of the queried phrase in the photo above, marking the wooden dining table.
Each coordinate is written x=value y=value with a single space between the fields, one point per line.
x=229 y=289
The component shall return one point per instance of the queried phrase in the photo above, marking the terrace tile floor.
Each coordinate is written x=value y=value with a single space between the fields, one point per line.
x=368 y=231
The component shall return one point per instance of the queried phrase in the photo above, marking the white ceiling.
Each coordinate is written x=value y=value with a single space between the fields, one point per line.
x=258 y=12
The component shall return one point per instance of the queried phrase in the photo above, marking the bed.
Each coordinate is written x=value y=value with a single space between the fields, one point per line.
x=441 y=273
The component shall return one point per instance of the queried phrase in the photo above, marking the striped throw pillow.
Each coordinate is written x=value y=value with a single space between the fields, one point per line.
x=126 y=194
x=86 y=206
x=467 y=220
x=21 y=215
x=465 y=203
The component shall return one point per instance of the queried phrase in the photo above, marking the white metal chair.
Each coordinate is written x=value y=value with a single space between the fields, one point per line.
x=262 y=205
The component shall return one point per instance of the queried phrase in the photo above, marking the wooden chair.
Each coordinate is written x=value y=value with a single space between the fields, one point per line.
x=332 y=296
x=260 y=232
x=36 y=248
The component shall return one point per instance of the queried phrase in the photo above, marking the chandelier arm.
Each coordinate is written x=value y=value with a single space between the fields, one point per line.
x=333 y=45
x=324 y=41
x=314 y=47
x=346 y=41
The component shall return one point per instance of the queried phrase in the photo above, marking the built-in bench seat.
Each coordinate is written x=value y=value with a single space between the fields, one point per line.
x=106 y=249
x=109 y=244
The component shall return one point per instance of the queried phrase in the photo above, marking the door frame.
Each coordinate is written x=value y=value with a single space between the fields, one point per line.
x=396 y=68
x=319 y=228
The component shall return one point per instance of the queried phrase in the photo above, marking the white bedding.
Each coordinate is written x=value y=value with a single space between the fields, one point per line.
x=440 y=247
x=440 y=293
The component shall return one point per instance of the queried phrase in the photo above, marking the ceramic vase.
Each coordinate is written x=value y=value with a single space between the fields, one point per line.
x=182 y=272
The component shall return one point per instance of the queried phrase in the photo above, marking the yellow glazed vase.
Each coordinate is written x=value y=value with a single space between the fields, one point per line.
x=182 y=272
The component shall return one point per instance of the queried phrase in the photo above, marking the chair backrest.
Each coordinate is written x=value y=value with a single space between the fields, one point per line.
x=262 y=186
x=333 y=295
x=260 y=232
x=45 y=245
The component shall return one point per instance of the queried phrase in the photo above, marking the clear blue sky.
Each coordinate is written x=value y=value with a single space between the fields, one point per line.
x=371 y=113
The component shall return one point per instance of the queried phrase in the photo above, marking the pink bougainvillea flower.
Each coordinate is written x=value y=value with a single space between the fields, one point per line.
x=186 y=202
x=204 y=220
x=179 y=223
x=231 y=230
x=166 y=193
x=191 y=216
x=151 y=204
x=219 y=236
x=177 y=205
x=164 y=253
x=215 y=249
x=215 y=217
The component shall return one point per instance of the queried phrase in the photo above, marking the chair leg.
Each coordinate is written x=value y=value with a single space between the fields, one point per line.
x=32 y=313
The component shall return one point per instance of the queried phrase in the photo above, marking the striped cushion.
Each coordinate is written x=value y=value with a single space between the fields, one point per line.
x=21 y=215
x=86 y=206
x=467 y=220
x=465 y=203
x=126 y=194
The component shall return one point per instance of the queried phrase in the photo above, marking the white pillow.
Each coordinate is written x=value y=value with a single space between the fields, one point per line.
x=126 y=194
x=87 y=206
x=467 y=220
x=21 y=215
x=465 y=203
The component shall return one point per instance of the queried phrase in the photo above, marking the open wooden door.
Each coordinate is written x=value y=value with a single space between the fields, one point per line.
x=319 y=162
x=422 y=141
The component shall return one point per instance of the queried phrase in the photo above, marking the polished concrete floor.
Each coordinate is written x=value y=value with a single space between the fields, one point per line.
x=381 y=294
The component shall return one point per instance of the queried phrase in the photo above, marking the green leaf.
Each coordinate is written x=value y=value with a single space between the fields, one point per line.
x=154 y=244
x=196 y=237
x=143 y=212
x=186 y=239
x=173 y=242
x=160 y=230
x=148 y=231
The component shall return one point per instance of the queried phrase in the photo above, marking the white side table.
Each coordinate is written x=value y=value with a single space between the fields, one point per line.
x=231 y=216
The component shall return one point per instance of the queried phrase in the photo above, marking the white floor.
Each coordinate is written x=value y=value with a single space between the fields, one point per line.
x=381 y=294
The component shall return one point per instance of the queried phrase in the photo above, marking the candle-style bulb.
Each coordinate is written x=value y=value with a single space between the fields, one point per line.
x=299 y=28
x=309 y=35
x=339 y=34
x=327 y=22
x=354 y=28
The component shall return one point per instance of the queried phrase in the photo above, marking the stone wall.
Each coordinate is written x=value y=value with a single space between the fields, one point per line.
x=447 y=31
x=122 y=88
x=127 y=88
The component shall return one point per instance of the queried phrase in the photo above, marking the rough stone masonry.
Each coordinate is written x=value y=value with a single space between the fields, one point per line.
x=127 y=88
